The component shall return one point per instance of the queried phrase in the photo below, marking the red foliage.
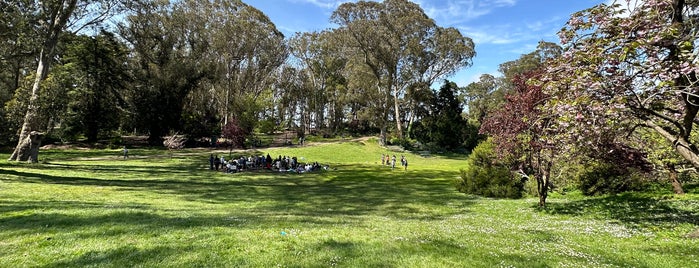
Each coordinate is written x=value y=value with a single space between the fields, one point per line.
x=518 y=115
x=234 y=133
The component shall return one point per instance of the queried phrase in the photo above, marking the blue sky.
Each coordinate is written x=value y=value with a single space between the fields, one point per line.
x=501 y=29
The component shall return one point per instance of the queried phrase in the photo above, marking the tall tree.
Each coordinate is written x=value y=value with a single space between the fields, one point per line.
x=527 y=63
x=323 y=61
x=482 y=96
x=169 y=44
x=445 y=126
x=97 y=75
x=401 y=45
x=247 y=50
x=518 y=129
x=56 y=16
x=624 y=69
x=18 y=34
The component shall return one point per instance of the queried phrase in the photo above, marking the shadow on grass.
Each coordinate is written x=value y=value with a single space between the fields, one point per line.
x=691 y=187
x=133 y=256
x=258 y=197
x=637 y=210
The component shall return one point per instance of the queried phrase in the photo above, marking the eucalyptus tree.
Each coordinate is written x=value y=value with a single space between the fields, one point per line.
x=287 y=104
x=481 y=97
x=53 y=17
x=169 y=44
x=20 y=44
x=441 y=54
x=526 y=63
x=365 y=99
x=247 y=50
x=322 y=58
x=402 y=46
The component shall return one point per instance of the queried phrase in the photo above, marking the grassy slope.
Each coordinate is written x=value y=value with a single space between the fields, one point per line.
x=89 y=208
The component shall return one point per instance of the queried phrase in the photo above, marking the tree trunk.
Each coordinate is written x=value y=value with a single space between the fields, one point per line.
x=396 y=108
x=676 y=184
x=680 y=144
x=543 y=181
x=30 y=118
x=382 y=136
x=29 y=149
x=411 y=120
x=58 y=22
x=34 y=144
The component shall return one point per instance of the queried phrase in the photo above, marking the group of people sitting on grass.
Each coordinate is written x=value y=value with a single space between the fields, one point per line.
x=235 y=164
x=282 y=164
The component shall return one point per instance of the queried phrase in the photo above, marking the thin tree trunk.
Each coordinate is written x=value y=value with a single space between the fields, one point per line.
x=676 y=184
x=543 y=180
x=382 y=136
x=411 y=120
x=396 y=108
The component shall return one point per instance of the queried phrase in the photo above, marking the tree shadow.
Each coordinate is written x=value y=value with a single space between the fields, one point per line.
x=634 y=210
x=691 y=187
x=127 y=255
x=345 y=191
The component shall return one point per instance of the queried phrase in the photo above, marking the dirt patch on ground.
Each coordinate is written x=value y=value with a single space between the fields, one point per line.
x=694 y=235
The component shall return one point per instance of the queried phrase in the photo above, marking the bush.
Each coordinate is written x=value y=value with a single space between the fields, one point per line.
x=407 y=144
x=268 y=126
x=484 y=176
x=600 y=178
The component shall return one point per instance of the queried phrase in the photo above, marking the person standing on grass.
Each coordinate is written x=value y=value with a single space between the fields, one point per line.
x=217 y=162
x=211 y=162
x=126 y=152
x=393 y=162
x=405 y=163
x=383 y=160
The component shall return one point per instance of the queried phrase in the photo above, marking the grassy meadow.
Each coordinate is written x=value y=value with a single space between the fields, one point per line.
x=90 y=208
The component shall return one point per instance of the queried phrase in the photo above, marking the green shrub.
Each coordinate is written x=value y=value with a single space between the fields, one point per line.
x=484 y=176
x=268 y=126
x=406 y=143
x=115 y=142
x=599 y=178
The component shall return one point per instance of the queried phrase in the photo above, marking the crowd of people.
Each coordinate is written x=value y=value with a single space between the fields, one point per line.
x=281 y=164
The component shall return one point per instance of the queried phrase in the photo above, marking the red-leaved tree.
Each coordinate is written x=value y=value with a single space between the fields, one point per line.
x=234 y=133
x=517 y=128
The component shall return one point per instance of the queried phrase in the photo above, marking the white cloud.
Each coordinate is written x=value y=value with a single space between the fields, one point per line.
x=524 y=49
x=497 y=34
x=551 y=24
x=459 y=11
x=451 y=11
x=324 y=4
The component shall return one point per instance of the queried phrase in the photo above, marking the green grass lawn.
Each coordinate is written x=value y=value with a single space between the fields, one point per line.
x=91 y=208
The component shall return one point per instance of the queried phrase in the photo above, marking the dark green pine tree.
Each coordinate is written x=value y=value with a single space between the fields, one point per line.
x=448 y=126
x=94 y=104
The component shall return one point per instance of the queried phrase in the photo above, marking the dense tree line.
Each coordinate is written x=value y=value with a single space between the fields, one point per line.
x=71 y=71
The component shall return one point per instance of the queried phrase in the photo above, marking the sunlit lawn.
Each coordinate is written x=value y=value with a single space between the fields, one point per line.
x=91 y=208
